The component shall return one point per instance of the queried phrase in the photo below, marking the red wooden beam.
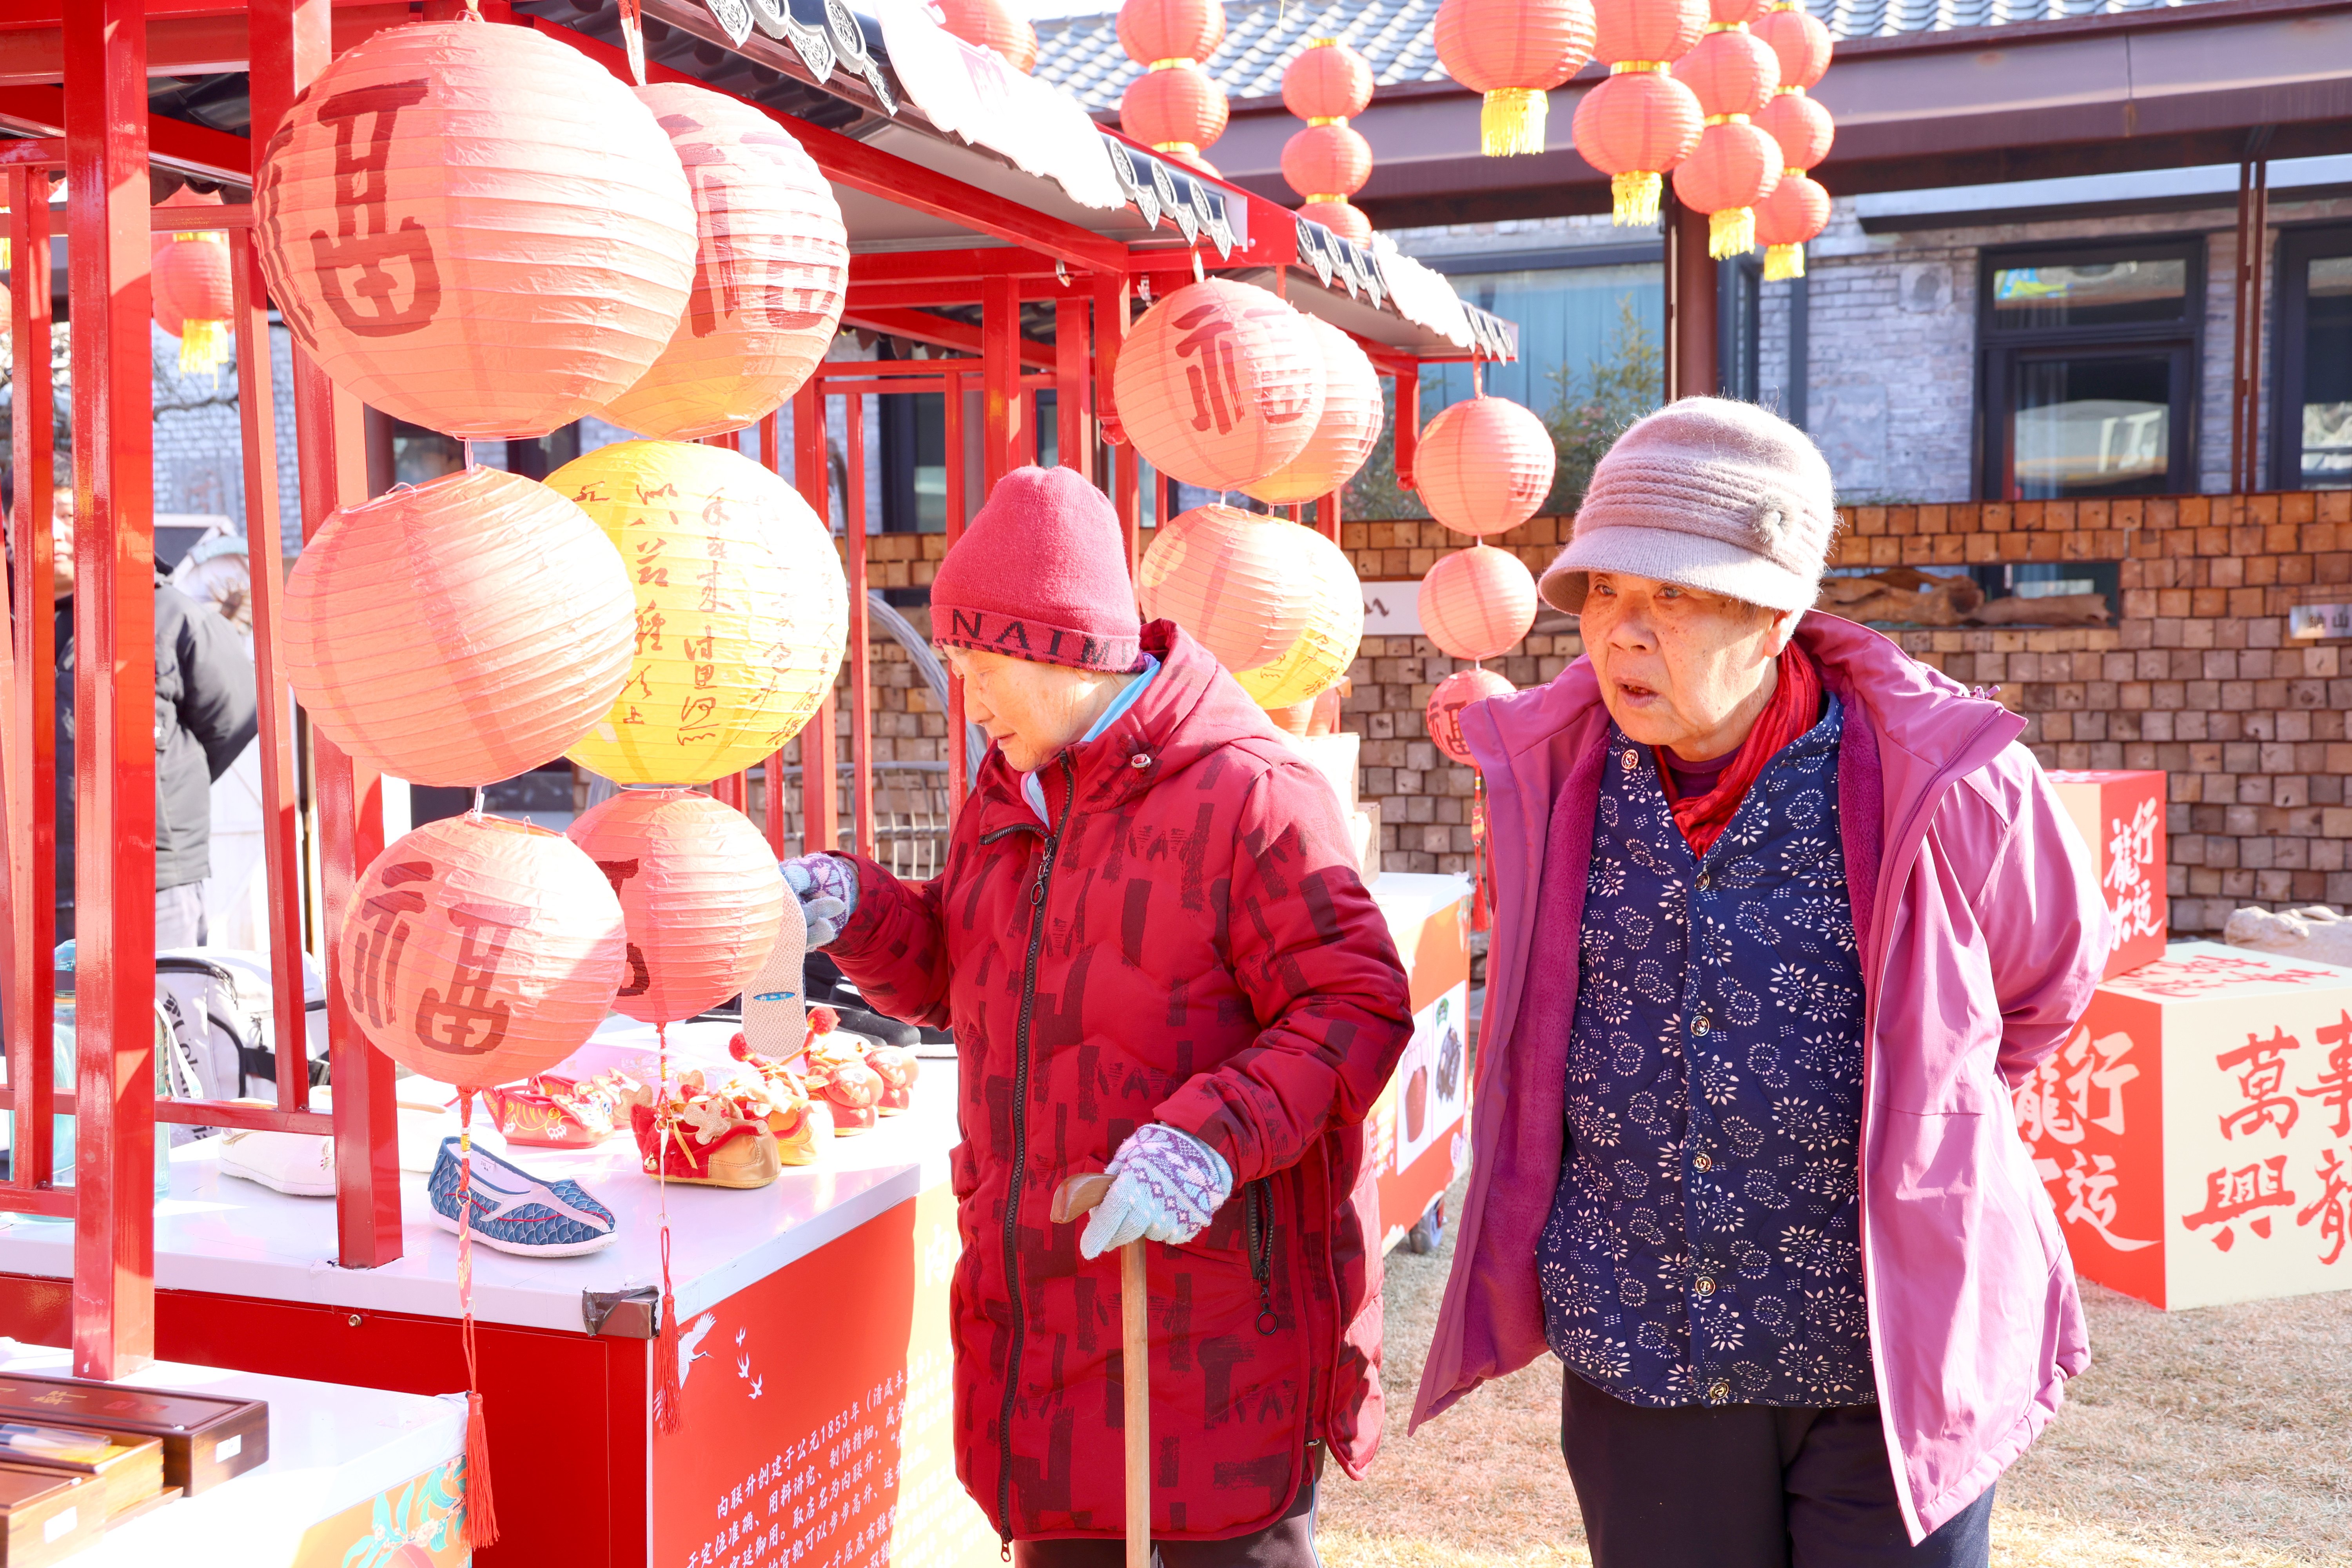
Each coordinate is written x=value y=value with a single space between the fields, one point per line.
x=965 y=264
x=207 y=39
x=1005 y=443
x=939 y=294
x=114 y=688
x=922 y=327
x=1074 y=389
x=174 y=143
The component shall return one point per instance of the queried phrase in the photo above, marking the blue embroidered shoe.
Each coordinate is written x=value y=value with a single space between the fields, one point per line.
x=515 y=1212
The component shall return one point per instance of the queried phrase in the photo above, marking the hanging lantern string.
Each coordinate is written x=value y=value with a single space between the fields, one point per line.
x=481 y=1526
x=667 y=1391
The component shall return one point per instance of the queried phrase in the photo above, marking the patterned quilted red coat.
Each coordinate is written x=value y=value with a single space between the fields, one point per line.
x=1190 y=943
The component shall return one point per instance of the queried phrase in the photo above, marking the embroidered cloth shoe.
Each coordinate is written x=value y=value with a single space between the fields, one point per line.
x=897 y=1066
x=711 y=1140
x=838 y=1071
x=515 y=1212
x=299 y=1163
x=789 y=1120
x=551 y=1113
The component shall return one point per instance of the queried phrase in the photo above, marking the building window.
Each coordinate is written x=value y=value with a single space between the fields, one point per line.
x=1576 y=312
x=2088 y=369
x=1738 y=327
x=2311 y=425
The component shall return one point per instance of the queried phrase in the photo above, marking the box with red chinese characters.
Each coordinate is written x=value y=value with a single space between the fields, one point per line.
x=2195 y=1130
x=2120 y=814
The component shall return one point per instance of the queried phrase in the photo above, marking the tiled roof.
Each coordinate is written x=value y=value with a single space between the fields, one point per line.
x=1082 y=53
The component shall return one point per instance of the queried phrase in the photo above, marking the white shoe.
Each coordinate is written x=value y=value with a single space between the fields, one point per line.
x=299 y=1163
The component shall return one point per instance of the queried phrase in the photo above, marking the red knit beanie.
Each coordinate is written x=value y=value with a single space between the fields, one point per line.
x=1040 y=575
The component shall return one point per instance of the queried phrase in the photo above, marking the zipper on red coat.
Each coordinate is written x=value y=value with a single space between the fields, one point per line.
x=1037 y=891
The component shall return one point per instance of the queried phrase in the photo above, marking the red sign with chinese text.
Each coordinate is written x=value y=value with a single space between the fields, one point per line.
x=2120 y=814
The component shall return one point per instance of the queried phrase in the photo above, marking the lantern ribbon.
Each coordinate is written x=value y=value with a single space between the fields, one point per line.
x=1481 y=902
x=669 y=1413
x=481 y=1527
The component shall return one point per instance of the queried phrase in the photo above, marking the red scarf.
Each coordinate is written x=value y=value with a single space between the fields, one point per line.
x=1794 y=707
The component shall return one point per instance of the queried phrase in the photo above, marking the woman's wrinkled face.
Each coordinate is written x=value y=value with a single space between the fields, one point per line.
x=1030 y=710
x=1678 y=668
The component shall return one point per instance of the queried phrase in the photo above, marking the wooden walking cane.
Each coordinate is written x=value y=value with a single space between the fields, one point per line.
x=1077 y=1198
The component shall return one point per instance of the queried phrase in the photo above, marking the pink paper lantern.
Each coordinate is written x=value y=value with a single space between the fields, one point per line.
x=1477 y=603
x=1484 y=466
x=461 y=631
x=478 y=951
x=699 y=896
x=1233 y=579
x=1218 y=382
x=769 y=278
x=1344 y=436
x=1455 y=693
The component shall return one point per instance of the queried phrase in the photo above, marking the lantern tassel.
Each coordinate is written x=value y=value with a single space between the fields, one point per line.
x=1480 y=910
x=668 y=1391
x=1783 y=262
x=1633 y=199
x=1731 y=231
x=1511 y=121
x=481 y=1527
x=204 y=346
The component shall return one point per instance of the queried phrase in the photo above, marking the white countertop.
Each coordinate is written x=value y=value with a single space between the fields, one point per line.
x=231 y=1236
x=331 y=1447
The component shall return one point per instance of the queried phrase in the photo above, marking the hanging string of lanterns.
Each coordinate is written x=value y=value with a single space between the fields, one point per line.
x=1798 y=209
x=1326 y=84
x=1477 y=603
x=1513 y=52
x=1483 y=464
x=1175 y=107
x=1736 y=164
x=1639 y=121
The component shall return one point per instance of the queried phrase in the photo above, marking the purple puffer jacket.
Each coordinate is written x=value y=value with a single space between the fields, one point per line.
x=1984 y=940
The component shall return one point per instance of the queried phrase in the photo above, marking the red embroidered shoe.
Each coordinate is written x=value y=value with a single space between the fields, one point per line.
x=897 y=1066
x=715 y=1139
x=551 y=1113
x=838 y=1073
x=797 y=1130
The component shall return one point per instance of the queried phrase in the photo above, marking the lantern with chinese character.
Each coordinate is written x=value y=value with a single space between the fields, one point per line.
x=1455 y=693
x=1736 y=164
x=1477 y=603
x=741 y=611
x=189 y=286
x=1513 y=52
x=1318 y=658
x=769 y=278
x=699 y=896
x=1327 y=85
x=991 y=24
x=474 y=228
x=460 y=631
x=1219 y=383
x=1233 y=579
x=1483 y=464
x=1346 y=433
x=1639 y=121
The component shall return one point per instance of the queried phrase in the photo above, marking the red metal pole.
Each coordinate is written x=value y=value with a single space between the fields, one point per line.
x=959 y=781
x=1127 y=478
x=861 y=673
x=1326 y=517
x=114 y=688
x=819 y=815
x=32 y=760
x=1074 y=389
x=1408 y=424
x=1002 y=406
x=281 y=854
x=290 y=45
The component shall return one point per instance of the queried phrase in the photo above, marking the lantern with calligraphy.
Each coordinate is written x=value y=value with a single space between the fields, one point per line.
x=190 y=288
x=460 y=631
x=1736 y=163
x=1477 y=603
x=1327 y=85
x=1235 y=580
x=1218 y=384
x=474 y=228
x=1513 y=52
x=1483 y=464
x=1639 y=121
x=1318 y=658
x=991 y=24
x=768 y=282
x=699 y=898
x=1455 y=693
x=1345 y=434
x=741 y=611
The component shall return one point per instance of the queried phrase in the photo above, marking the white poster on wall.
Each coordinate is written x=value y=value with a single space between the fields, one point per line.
x=1392 y=609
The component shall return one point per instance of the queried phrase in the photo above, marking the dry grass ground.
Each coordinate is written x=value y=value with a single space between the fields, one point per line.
x=2220 y=1438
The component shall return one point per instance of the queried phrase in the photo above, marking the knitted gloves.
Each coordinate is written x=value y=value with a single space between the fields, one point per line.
x=826 y=887
x=1167 y=1185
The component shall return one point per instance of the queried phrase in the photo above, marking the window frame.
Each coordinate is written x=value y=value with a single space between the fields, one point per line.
x=1999 y=348
x=2297 y=248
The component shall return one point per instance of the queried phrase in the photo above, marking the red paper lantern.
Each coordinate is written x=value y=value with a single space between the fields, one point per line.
x=1796 y=211
x=1801 y=43
x=1633 y=126
x=700 y=896
x=1658 y=32
x=1801 y=125
x=459 y=632
x=1327 y=81
x=1735 y=166
x=1513 y=52
x=991 y=24
x=773 y=263
x=1327 y=163
x=1344 y=436
x=1731 y=72
x=1154 y=30
x=1734 y=13
x=1455 y=693
x=1343 y=218
x=478 y=951
x=1175 y=108
x=1219 y=383
x=189 y=286
x=1232 y=578
x=474 y=228
x=1483 y=464
x=1477 y=603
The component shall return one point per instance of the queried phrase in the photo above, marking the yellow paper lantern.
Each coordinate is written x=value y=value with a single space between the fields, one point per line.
x=1316 y=662
x=741 y=609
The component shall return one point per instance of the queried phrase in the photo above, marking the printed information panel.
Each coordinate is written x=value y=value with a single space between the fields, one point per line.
x=2195 y=1131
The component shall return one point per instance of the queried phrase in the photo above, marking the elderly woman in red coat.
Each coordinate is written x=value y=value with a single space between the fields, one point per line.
x=1157 y=959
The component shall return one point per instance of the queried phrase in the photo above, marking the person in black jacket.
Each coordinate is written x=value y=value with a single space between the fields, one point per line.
x=205 y=713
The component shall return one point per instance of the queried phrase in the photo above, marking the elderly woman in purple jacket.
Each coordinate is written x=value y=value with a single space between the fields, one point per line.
x=1781 y=915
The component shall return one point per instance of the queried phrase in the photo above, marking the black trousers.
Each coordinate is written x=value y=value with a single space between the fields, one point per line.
x=1746 y=1486
x=1287 y=1543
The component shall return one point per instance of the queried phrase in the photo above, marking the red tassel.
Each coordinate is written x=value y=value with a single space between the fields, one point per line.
x=669 y=1394
x=481 y=1526
x=481 y=1514
x=1481 y=916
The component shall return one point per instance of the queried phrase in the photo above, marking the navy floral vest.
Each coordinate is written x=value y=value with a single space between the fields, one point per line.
x=1705 y=1242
